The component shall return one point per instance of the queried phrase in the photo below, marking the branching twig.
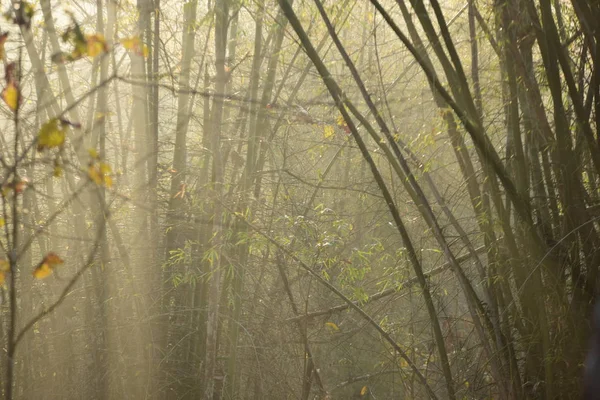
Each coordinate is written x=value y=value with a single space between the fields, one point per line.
x=89 y=263
x=61 y=208
x=384 y=293
x=350 y=303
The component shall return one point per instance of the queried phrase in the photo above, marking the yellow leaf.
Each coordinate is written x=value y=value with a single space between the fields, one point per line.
x=93 y=153
x=135 y=44
x=403 y=363
x=79 y=51
x=94 y=174
x=2 y=222
x=328 y=131
x=108 y=181
x=4 y=265
x=2 y=278
x=100 y=174
x=58 y=171
x=132 y=43
x=52 y=134
x=105 y=168
x=332 y=326
x=42 y=271
x=10 y=95
x=363 y=391
x=96 y=45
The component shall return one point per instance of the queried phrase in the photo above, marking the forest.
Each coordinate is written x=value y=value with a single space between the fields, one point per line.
x=309 y=199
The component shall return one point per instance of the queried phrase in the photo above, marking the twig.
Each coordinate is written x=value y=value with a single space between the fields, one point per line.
x=89 y=263
x=384 y=293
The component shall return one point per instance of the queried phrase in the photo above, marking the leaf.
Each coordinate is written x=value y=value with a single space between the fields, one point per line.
x=181 y=193
x=43 y=271
x=58 y=171
x=24 y=14
x=2 y=222
x=75 y=35
x=10 y=95
x=93 y=153
x=83 y=45
x=21 y=185
x=135 y=44
x=4 y=266
x=3 y=38
x=328 y=131
x=9 y=73
x=53 y=259
x=332 y=326
x=99 y=173
x=17 y=185
x=45 y=268
x=60 y=58
x=52 y=134
x=108 y=182
x=403 y=363
x=363 y=391
x=2 y=278
x=96 y=45
x=105 y=169
x=131 y=43
x=94 y=174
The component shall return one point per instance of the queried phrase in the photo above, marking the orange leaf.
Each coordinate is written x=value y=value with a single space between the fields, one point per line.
x=18 y=186
x=2 y=278
x=3 y=38
x=181 y=192
x=363 y=391
x=42 y=271
x=96 y=45
x=53 y=259
x=21 y=185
